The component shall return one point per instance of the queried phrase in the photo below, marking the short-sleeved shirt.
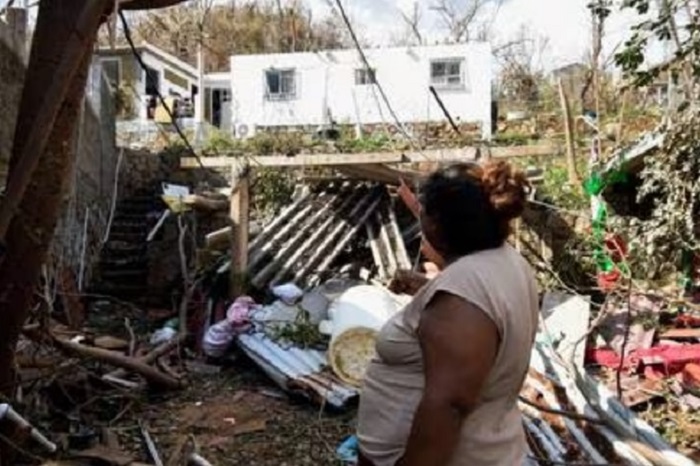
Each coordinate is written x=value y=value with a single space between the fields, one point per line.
x=501 y=284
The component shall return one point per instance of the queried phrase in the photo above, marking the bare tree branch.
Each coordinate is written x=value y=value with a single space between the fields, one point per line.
x=461 y=21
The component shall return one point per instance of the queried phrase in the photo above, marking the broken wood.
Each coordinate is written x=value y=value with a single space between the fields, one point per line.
x=42 y=175
x=151 y=357
x=111 y=343
x=204 y=203
x=119 y=360
x=219 y=239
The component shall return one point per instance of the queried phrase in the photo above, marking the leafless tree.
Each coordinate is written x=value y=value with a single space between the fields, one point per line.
x=462 y=20
x=521 y=66
x=412 y=21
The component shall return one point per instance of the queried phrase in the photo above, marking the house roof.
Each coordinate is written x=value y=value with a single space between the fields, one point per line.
x=155 y=51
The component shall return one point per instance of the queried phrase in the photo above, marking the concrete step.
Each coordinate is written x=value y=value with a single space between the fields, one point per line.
x=135 y=275
x=123 y=291
x=117 y=247
x=128 y=262
x=128 y=237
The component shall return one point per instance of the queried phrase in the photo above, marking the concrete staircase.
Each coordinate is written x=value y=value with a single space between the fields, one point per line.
x=123 y=266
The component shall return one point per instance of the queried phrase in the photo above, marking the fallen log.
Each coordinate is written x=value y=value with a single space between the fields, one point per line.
x=204 y=203
x=119 y=360
x=151 y=357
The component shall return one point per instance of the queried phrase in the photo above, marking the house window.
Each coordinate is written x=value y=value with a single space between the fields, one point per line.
x=448 y=73
x=113 y=70
x=280 y=84
x=365 y=76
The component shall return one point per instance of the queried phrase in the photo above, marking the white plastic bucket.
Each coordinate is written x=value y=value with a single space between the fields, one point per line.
x=355 y=318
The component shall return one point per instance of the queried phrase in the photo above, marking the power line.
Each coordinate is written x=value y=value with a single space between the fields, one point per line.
x=181 y=134
x=363 y=57
x=139 y=59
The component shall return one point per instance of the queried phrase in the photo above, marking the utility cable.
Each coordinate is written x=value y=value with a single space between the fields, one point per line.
x=365 y=62
x=142 y=64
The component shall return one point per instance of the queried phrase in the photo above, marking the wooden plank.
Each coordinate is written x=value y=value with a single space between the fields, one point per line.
x=542 y=150
x=681 y=333
x=240 y=201
x=433 y=155
x=297 y=160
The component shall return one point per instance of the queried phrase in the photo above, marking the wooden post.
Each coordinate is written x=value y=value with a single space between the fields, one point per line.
x=570 y=143
x=240 y=203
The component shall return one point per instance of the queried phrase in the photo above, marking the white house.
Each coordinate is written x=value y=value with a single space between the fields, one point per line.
x=315 y=88
x=168 y=75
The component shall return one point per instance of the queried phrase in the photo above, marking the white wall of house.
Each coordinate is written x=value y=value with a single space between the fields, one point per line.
x=302 y=88
x=173 y=75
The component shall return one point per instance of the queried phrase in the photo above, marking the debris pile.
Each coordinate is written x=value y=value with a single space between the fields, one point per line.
x=318 y=276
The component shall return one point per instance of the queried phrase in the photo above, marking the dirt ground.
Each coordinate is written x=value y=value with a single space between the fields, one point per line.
x=238 y=417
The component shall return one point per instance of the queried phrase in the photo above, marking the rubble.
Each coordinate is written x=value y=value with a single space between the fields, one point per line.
x=332 y=237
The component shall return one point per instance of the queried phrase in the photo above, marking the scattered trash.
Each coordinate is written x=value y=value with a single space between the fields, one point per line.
x=355 y=318
x=166 y=333
x=220 y=336
x=348 y=450
x=8 y=413
x=289 y=293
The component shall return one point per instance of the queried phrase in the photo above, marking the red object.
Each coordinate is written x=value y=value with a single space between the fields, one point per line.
x=691 y=375
x=672 y=358
x=609 y=358
x=686 y=321
x=607 y=281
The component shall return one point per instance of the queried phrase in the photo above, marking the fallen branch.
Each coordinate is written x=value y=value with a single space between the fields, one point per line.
x=119 y=360
x=151 y=357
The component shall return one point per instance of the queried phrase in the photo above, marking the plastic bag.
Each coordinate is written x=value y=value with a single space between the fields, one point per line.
x=166 y=333
x=219 y=336
x=289 y=293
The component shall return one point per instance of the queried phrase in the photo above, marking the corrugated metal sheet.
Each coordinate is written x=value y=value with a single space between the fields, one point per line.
x=301 y=243
x=301 y=371
x=617 y=435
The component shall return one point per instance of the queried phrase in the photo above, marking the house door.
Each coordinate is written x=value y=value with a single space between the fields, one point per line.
x=152 y=81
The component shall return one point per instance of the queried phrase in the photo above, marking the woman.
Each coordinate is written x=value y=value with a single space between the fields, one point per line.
x=442 y=390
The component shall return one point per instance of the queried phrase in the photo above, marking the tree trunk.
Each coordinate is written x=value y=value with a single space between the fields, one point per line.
x=32 y=228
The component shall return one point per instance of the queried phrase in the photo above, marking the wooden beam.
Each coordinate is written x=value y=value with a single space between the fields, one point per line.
x=240 y=202
x=432 y=155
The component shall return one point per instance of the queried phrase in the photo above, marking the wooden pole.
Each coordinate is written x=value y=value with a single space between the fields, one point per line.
x=240 y=206
x=570 y=143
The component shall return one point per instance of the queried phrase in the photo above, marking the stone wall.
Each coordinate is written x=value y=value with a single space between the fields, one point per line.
x=83 y=224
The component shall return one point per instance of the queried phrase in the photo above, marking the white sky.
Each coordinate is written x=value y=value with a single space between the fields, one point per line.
x=566 y=23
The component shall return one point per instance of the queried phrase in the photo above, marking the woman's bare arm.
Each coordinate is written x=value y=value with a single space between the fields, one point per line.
x=459 y=344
